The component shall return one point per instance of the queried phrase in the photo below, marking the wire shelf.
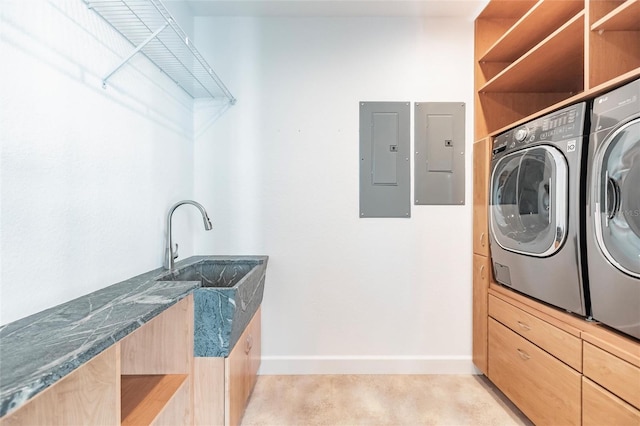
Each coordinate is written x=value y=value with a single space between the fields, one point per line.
x=151 y=29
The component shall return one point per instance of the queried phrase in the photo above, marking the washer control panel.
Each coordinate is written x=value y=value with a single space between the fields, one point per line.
x=554 y=127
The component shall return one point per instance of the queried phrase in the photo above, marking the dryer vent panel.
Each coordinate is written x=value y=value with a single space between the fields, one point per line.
x=439 y=152
x=385 y=180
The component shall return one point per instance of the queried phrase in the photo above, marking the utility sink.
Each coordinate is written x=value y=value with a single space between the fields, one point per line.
x=213 y=273
x=231 y=292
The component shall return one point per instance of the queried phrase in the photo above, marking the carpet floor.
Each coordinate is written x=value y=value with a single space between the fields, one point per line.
x=394 y=400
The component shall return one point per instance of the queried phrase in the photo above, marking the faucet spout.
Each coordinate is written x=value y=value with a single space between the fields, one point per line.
x=169 y=253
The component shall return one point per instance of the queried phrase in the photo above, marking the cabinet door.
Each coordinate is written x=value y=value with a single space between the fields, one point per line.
x=480 y=196
x=481 y=271
x=241 y=368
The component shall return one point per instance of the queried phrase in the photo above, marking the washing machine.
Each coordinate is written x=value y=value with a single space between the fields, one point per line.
x=613 y=209
x=536 y=214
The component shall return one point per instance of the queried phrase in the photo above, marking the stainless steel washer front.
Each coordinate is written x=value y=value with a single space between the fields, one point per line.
x=534 y=213
x=613 y=209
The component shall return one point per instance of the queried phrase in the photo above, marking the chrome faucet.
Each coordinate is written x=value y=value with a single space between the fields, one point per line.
x=169 y=253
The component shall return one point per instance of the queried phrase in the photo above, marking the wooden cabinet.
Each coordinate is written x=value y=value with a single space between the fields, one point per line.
x=481 y=261
x=241 y=371
x=543 y=387
x=533 y=57
x=145 y=379
x=481 y=157
x=481 y=274
x=236 y=375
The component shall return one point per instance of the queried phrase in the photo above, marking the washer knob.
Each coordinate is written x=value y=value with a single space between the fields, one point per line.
x=521 y=134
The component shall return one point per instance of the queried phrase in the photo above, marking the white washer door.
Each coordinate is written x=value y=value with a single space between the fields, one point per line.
x=616 y=198
x=529 y=197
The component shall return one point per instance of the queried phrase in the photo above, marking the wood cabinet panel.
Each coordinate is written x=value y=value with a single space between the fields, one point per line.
x=545 y=389
x=481 y=158
x=89 y=395
x=559 y=343
x=241 y=368
x=164 y=345
x=600 y=407
x=481 y=273
x=209 y=393
x=612 y=373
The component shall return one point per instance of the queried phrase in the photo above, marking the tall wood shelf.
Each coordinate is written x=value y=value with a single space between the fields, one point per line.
x=539 y=56
x=532 y=58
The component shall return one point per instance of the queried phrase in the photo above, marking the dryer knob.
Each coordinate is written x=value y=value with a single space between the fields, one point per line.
x=521 y=134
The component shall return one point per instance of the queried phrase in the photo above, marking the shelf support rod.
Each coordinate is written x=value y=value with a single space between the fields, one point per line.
x=135 y=51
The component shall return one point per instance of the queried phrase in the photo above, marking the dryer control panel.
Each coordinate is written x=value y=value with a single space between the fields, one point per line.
x=566 y=123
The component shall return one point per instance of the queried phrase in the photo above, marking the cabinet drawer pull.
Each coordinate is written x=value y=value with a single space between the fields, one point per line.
x=248 y=344
x=482 y=272
x=523 y=355
x=524 y=326
x=482 y=239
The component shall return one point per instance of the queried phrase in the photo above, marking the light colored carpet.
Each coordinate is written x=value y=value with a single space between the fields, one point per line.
x=398 y=400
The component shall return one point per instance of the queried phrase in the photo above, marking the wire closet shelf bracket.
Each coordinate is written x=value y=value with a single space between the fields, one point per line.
x=151 y=29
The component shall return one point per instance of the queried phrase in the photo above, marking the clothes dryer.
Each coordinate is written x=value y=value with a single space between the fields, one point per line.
x=613 y=209
x=535 y=213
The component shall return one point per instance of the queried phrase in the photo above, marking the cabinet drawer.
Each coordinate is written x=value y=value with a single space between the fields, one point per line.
x=545 y=389
x=559 y=343
x=600 y=407
x=612 y=373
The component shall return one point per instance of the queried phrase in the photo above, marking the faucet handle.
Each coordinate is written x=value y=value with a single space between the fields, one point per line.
x=175 y=252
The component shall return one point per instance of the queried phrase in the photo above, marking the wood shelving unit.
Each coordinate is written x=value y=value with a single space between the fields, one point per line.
x=532 y=58
x=538 y=23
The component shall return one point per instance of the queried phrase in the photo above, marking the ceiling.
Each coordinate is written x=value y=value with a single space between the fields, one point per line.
x=464 y=9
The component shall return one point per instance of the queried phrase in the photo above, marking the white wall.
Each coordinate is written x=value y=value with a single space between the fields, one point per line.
x=279 y=175
x=87 y=175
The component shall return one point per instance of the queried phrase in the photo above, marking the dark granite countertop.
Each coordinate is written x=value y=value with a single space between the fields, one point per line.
x=40 y=349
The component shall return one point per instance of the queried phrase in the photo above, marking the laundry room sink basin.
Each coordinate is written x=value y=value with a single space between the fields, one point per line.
x=231 y=292
x=213 y=273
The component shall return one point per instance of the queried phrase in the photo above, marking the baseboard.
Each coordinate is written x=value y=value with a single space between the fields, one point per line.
x=298 y=365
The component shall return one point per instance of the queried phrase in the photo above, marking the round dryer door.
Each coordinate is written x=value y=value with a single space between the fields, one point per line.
x=528 y=212
x=617 y=198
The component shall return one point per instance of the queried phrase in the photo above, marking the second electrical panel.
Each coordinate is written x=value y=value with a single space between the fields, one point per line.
x=439 y=152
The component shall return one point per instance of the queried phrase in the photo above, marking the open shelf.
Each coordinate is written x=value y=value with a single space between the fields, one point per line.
x=504 y=9
x=151 y=29
x=625 y=17
x=556 y=62
x=143 y=397
x=541 y=20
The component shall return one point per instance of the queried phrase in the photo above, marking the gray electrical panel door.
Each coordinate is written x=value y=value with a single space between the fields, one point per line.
x=439 y=152
x=385 y=174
